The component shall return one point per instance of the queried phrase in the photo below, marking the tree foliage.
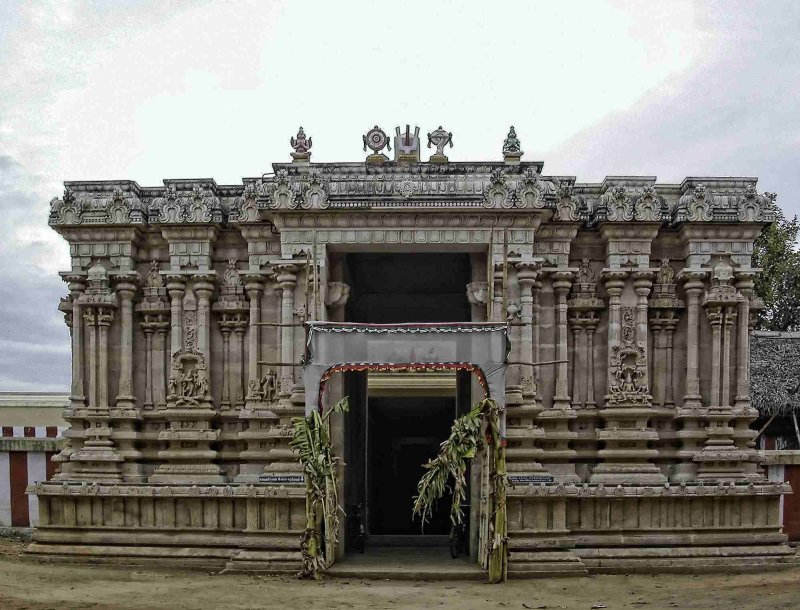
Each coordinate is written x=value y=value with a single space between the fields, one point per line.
x=312 y=442
x=465 y=441
x=777 y=254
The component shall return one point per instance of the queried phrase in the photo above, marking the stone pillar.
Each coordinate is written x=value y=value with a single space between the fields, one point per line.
x=642 y=283
x=126 y=289
x=522 y=454
x=720 y=460
x=577 y=361
x=558 y=457
x=159 y=364
x=745 y=414
x=691 y=412
x=90 y=319
x=225 y=329
x=104 y=319
x=237 y=361
x=694 y=287
x=254 y=287
x=287 y=279
x=176 y=286
x=715 y=320
x=562 y=282
x=669 y=333
x=526 y=276
x=744 y=285
x=204 y=288
x=728 y=322
x=148 y=359
x=76 y=287
x=591 y=327
x=259 y=434
x=615 y=282
x=77 y=401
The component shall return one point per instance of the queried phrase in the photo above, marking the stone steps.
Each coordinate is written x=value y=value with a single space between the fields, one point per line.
x=688 y=559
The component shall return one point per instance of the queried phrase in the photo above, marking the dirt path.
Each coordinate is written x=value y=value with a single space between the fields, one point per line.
x=31 y=586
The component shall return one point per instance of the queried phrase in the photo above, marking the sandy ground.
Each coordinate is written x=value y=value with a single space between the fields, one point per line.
x=31 y=586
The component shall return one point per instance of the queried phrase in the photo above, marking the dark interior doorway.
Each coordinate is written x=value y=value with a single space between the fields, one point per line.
x=388 y=438
x=419 y=287
x=404 y=433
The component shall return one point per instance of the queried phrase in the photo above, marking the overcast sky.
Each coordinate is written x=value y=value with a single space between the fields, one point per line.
x=153 y=90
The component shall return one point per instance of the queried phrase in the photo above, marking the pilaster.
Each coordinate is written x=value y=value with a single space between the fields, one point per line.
x=558 y=457
x=522 y=431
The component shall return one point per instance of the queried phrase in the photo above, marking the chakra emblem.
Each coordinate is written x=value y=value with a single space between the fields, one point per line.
x=376 y=140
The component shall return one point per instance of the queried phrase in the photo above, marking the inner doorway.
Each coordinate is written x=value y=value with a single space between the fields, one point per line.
x=403 y=434
x=397 y=421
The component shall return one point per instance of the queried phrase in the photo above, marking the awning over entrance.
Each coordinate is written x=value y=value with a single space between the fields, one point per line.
x=331 y=347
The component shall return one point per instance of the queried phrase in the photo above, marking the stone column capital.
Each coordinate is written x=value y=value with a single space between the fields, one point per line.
x=76 y=282
x=175 y=282
x=614 y=275
x=693 y=279
x=126 y=284
x=285 y=275
x=204 y=282
x=527 y=273
x=562 y=281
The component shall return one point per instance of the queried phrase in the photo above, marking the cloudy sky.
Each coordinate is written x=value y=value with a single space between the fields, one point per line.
x=153 y=90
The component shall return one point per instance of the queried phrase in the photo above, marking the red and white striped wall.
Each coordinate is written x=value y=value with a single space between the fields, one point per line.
x=18 y=469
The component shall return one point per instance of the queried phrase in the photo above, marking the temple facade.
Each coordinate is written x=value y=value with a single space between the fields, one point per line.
x=629 y=305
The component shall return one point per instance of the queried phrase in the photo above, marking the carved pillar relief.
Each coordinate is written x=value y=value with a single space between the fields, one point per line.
x=665 y=308
x=584 y=307
x=155 y=311
x=232 y=313
x=614 y=282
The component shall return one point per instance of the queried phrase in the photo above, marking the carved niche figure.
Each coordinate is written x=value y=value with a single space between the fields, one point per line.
x=301 y=144
x=628 y=366
x=666 y=274
x=188 y=380
x=265 y=389
x=154 y=278
x=585 y=273
x=512 y=145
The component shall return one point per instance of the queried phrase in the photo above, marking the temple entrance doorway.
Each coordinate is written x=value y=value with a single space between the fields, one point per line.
x=398 y=420
x=396 y=423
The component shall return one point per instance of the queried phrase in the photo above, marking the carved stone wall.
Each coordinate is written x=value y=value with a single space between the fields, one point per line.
x=182 y=299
